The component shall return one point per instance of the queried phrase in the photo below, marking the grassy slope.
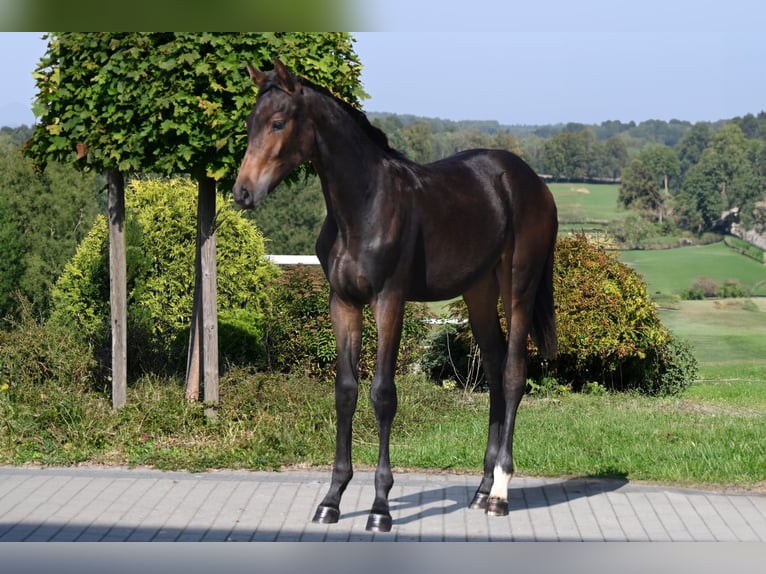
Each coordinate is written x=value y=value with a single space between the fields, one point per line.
x=581 y=202
x=671 y=271
x=722 y=332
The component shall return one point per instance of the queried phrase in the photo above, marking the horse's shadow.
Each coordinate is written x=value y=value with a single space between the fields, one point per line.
x=419 y=505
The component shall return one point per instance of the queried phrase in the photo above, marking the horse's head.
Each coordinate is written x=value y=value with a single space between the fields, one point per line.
x=279 y=135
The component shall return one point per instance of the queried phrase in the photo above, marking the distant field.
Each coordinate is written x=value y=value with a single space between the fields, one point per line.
x=671 y=271
x=723 y=332
x=581 y=203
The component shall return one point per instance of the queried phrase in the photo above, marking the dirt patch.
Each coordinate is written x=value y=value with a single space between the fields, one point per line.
x=581 y=190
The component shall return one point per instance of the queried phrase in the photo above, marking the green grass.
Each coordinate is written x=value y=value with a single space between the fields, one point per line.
x=587 y=202
x=671 y=271
x=272 y=421
x=724 y=333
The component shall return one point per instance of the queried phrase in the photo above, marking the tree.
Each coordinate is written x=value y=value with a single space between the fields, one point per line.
x=699 y=200
x=616 y=153
x=689 y=149
x=169 y=103
x=662 y=162
x=417 y=137
x=291 y=217
x=573 y=155
x=11 y=253
x=639 y=190
x=43 y=216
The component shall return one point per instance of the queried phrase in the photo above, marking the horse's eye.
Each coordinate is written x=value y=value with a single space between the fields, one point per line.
x=278 y=125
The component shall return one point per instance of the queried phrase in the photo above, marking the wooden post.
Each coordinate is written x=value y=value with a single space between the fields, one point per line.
x=203 y=353
x=193 y=366
x=118 y=287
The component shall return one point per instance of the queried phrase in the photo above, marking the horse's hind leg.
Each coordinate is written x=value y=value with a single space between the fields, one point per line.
x=347 y=325
x=481 y=301
x=518 y=286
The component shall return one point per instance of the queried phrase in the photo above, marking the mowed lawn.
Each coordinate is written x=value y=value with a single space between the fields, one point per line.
x=581 y=203
x=672 y=271
x=727 y=335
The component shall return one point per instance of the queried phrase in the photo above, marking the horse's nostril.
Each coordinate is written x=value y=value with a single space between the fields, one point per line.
x=242 y=195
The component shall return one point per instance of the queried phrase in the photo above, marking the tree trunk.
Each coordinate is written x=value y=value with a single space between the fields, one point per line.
x=118 y=288
x=202 y=361
x=193 y=357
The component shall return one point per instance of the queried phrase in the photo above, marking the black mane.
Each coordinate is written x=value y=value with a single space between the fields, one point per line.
x=375 y=134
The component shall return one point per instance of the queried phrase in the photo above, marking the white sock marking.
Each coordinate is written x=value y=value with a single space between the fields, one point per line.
x=500 y=484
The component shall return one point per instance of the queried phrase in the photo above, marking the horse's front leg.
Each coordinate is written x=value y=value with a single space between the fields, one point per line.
x=388 y=310
x=347 y=326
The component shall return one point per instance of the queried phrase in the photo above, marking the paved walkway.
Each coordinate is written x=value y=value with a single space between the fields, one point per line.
x=115 y=504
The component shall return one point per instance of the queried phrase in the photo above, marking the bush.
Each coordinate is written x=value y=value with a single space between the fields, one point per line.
x=668 y=370
x=702 y=287
x=299 y=332
x=608 y=329
x=161 y=224
x=732 y=288
x=632 y=231
x=452 y=357
x=34 y=354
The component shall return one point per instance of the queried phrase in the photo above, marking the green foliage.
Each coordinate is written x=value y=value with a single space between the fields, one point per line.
x=452 y=357
x=705 y=287
x=33 y=354
x=632 y=231
x=669 y=369
x=576 y=155
x=747 y=249
x=291 y=217
x=604 y=316
x=266 y=421
x=168 y=103
x=702 y=287
x=299 y=334
x=640 y=191
x=43 y=216
x=608 y=329
x=11 y=255
x=161 y=240
x=240 y=337
x=732 y=289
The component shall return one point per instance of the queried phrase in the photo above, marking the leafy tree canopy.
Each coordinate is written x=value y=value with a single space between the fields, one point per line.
x=168 y=103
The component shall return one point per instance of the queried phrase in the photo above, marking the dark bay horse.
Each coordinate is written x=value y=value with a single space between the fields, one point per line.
x=480 y=224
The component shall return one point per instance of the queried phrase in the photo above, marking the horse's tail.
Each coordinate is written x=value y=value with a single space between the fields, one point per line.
x=544 y=315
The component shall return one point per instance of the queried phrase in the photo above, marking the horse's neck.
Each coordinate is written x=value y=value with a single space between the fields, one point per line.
x=349 y=166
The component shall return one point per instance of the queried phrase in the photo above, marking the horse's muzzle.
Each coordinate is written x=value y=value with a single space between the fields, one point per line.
x=243 y=197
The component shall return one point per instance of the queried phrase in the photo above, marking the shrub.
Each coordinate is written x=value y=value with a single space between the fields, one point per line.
x=702 y=287
x=632 y=231
x=161 y=224
x=452 y=357
x=668 y=369
x=608 y=329
x=732 y=288
x=34 y=353
x=299 y=332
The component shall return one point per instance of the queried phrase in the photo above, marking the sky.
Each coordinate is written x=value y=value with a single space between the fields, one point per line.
x=543 y=62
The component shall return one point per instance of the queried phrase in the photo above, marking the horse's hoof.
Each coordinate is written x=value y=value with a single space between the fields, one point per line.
x=479 y=501
x=497 y=507
x=379 y=523
x=326 y=515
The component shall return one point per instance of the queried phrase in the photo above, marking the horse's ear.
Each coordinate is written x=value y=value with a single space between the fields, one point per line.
x=285 y=78
x=256 y=75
